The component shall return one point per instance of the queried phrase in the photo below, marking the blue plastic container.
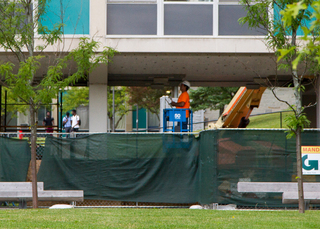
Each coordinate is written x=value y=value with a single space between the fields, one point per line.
x=176 y=116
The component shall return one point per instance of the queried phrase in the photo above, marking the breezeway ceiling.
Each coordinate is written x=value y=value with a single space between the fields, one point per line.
x=169 y=69
x=158 y=69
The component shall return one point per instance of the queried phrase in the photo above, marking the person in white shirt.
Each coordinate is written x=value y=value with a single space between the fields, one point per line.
x=75 y=121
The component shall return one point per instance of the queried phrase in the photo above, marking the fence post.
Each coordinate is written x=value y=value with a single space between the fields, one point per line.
x=5 y=110
x=0 y=108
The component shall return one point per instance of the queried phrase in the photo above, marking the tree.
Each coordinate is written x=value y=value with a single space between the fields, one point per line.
x=147 y=97
x=79 y=96
x=282 y=31
x=14 y=106
x=213 y=98
x=120 y=104
x=19 y=20
x=75 y=97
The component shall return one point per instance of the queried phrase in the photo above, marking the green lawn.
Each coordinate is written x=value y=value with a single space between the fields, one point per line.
x=268 y=120
x=156 y=218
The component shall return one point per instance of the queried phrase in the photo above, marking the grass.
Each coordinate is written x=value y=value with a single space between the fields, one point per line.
x=268 y=120
x=156 y=218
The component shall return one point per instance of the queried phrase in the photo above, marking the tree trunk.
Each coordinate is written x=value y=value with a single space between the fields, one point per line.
x=297 y=94
x=117 y=123
x=111 y=124
x=298 y=99
x=221 y=109
x=33 y=140
x=299 y=171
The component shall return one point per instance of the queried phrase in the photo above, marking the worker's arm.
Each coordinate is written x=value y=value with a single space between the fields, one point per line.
x=180 y=104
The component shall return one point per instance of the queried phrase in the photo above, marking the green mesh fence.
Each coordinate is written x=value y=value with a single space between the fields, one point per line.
x=174 y=168
x=251 y=155
x=127 y=167
x=14 y=159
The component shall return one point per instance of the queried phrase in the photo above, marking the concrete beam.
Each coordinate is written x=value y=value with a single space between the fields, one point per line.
x=99 y=75
x=187 y=44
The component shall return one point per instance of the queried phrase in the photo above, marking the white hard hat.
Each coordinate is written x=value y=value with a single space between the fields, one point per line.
x=187 y=83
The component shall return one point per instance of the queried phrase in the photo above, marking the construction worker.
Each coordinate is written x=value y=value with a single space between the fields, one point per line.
x=183 y=101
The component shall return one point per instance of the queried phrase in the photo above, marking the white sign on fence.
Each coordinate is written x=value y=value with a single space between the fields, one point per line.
x=310 y=160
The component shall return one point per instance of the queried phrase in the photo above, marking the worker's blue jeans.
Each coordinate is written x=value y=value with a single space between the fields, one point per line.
x=184 y=125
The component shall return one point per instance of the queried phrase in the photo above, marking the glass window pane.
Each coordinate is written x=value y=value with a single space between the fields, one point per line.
x=132 y=19
x=187 y=19
x=229 y=24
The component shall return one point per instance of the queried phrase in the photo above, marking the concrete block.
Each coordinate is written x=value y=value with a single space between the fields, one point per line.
x=15 y=186
x=276 y=187
x=292 y=197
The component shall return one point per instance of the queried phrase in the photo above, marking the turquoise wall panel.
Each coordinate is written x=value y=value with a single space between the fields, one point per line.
x=142 y=116
x=74 y=14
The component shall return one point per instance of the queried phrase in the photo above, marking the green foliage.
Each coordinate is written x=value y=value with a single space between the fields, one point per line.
x=282 y=28
x=294 y=122
x=21 y=83
x=75 y=97
x=211 y=97
x=292 y=11
x=19 y=19
x=311 y=33
x=146 y=97
x=79 y=96
x=120 y=101
x=12 y=109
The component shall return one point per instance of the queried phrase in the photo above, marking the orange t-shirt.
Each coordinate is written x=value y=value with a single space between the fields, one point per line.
x=184 y=97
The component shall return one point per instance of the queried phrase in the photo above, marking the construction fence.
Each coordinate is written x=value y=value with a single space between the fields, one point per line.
x=162 y=168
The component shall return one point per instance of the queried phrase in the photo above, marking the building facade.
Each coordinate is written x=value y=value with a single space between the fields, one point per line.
x=160 y=43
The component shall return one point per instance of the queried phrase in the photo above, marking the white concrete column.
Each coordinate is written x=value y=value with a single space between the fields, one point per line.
x=98 y=94
x=98 y=20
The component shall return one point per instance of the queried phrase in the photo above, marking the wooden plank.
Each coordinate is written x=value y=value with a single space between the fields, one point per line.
x=292 y=197
x=16 y=186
